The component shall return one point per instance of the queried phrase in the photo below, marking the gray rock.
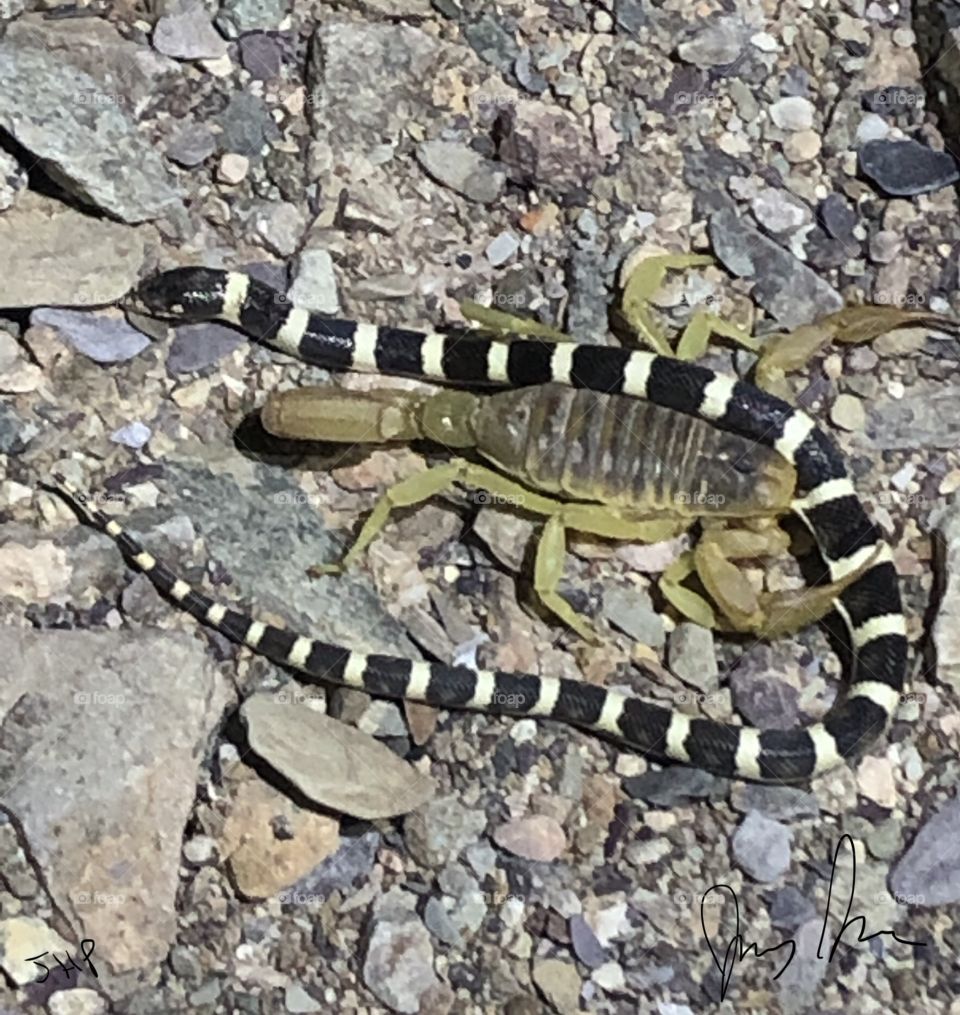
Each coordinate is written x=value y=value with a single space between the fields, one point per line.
x=188 y=34
x=907 y=168
x=631 y=609
x=133 y=435
x=15 y=431
x=438 y=831
x=669 y=787
x=928 y=874
x=717 y=44
x=784 y=286
x=491 y=38
x=297 y=1000
x=239 y=16
x=929 y=417
x=792 y=113
x=398 y=965
x=247 y=125
x=281 y=225
x=693 y=656
x=778 y=211
x=586 y=945
x=462 y=169
x=838 y=216
x=11 y=8
x=53 y=255
x=315 y=284
x=761 y=847
x=501 y=248
x=91 y=147
x=125 y=741
x=439 y=923
x=191 y=145
x=352 y=862
x=261 y=55
x=782 y=803
x=790 y=907
x=103 y=339
x=201 y=346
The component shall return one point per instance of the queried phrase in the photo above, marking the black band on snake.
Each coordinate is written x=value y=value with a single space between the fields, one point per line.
x=826 y=502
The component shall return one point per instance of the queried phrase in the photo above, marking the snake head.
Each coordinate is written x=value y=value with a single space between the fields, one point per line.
x=188 y=294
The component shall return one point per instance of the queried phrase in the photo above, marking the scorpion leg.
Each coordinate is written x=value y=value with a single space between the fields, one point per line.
x=703 y=324
x=502 y=323
x=643 y=281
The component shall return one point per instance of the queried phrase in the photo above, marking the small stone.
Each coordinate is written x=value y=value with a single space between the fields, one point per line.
x=398 y=966
x=261 y=55
x=438 y=831
x=502 y=248
x=802 y=146
x=875 y=781
x=693 y=656
x=200 y=849
x=133 y=435
x=15 y=431
x=460 y=168
x=585 y=943
x=779 y=211
x=297 y=1000
x=848 y=413
x=281 y=224
x=191 y=145
x=80 y=1001
x=907 y=168
x=872 y=128
x=609 y=976
x=928 y=874
x=33 y=573
x=535 y=837
x=631 y=609
x=101 y=338
x=761 y=847
x=838 y=217
x=188 y=35
x=198 y=347
x=717 y=44
x=315 y=284
x=239 y=16
x=792 y=113
x=233 y=168
x=885 y=246
x=559 y=983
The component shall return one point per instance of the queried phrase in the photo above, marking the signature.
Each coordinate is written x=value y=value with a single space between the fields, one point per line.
x=67 y=970
x=738 y=948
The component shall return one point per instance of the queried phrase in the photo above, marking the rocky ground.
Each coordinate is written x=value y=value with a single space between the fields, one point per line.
x=317 y=850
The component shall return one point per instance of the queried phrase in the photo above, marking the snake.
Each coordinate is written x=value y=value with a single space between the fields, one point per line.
x=874 y=624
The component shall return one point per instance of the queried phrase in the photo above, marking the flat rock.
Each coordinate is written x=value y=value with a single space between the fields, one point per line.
x=928 y=874
x=197 y=347
x=761 y=847
x=54 y=255
x=535 y=837
x=398 y=965
x=460 y=168
x=93 y=149
x=123 y=743
x=929 y=417
x=907 y=168
x=784 y=286
x=335 y=765
x=22 y=936
x=716 y=44
x=315 y=284
x=188 y=34
x=103 y=339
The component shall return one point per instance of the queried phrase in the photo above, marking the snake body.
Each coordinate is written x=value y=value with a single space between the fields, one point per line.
x=826 y=501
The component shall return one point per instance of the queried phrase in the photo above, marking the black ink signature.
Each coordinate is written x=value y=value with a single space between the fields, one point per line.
x=738 y=949
x=67 y=971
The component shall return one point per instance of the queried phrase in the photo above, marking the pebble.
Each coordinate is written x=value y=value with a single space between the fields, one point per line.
x=790 y=907
x=197 y=347
x=261 y=55
x=315 y=283
x=535 y=837
x=876 y=782
x=15 y=431
x=239 y=16
x=928 y=874
x=586 y=945
x=779 y=211
x=885 y=246
x=761 y=847
x=232 y=168
x=80 y=1001
x=792 y=113
x=609 y=976
x=438 y=831
x=103 y=339
x=188 y=34
x=907 y=168
x=672 y=787
x=872 y=128
x=191 y=145
x=501 y=248
x=559 y=983
x=297 y=1000
x=398 y=966
x=133 y=435
x=717 y=44
x=803 y=146
x=630 y=608
x=460 y=168
x=946 y=627
x=693 y=656
x=281 y=224
x=848 y=413
x=838 y=217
